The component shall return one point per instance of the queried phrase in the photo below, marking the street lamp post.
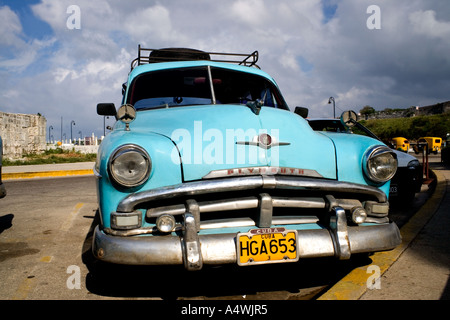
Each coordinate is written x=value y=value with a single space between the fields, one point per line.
x=49 y=133
x=72 y=123
x=334 y=106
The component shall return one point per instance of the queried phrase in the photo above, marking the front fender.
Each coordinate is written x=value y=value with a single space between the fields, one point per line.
x=350 y=150
x=166 y=169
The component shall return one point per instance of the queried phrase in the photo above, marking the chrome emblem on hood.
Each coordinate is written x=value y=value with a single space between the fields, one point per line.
x=264 y=141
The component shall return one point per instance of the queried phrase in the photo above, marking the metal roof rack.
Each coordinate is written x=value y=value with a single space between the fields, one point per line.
x=186 y=54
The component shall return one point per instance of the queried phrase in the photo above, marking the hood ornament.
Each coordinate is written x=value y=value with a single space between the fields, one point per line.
x=264 y=141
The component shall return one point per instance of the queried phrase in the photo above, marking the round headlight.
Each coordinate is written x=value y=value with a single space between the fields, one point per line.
x=380 y=164
x=130 y=166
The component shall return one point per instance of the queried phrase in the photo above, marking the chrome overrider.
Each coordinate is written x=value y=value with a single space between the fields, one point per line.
x=338 y=237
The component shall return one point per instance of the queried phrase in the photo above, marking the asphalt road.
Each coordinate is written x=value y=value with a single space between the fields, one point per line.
x=45 y=241
x=43 y=227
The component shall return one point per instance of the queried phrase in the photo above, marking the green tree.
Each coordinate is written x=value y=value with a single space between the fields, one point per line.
x=366 y=110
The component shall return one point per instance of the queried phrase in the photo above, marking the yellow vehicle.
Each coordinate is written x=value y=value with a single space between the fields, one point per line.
x=434 y=144
x=400 y=143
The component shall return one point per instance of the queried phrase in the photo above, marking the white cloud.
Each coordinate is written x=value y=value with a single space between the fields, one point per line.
x=425 y=23
x=251 y=12
x=151 y=23
x=10 y=28
x=17 y=53
x=405 y=63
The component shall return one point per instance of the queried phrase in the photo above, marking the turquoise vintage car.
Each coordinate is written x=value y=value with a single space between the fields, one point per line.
x=207 y=165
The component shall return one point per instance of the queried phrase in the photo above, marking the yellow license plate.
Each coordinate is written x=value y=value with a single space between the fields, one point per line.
x=269 y=245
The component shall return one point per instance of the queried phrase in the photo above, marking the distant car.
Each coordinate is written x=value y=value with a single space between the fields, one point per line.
x=207 y=165
x=434 y=144
x=408 y=179
x=2 y=186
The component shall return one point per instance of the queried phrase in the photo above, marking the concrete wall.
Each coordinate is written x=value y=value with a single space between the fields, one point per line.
x=438 y=108
x=22 y=134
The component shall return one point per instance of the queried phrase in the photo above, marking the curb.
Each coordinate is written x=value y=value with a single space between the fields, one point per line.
x=355 y=284
x=43 y=174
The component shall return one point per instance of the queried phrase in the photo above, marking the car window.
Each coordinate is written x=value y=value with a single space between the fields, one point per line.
x=192 y=86
x=173 y=87
x=328 y=125
x=233 y=87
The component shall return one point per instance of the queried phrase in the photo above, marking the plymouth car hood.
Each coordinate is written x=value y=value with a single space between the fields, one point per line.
x=222 y=140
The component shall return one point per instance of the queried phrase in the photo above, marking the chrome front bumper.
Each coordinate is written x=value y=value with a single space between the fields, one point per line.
x=193 y=246
x=195 y=250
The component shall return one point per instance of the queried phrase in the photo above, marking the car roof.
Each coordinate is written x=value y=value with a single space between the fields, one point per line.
x=187 y=64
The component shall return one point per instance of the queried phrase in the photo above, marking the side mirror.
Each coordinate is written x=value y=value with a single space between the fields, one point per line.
x=349 y=118
x=106 y=109
x=301 y=111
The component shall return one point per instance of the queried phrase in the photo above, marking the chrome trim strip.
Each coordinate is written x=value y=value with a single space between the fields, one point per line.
x=247 y=183
x=262 y=170
x=294 y=220
x=228 y=204
x=211 y=85
x=218 y=224
x=96 y=172
x=258 y=143
x=249 y=203
x=227 y=223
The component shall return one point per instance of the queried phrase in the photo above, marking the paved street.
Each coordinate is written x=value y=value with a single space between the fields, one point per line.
x=46 y=224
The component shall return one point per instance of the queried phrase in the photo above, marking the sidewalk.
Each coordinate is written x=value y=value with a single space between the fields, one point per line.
x=47 y=170
x=422 y=271
x=419 y=268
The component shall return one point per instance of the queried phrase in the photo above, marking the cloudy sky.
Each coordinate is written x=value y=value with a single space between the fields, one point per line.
x=60 y=58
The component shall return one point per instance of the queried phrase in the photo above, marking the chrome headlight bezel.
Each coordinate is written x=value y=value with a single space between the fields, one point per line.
x=130 y=157
x=380 y=164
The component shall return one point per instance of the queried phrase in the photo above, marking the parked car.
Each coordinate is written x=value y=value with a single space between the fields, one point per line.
x=207 y=165
x=2 y=186
x=408 y=179
x=445 y=152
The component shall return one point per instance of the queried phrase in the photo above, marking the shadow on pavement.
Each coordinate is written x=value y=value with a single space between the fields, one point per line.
x=289 y=281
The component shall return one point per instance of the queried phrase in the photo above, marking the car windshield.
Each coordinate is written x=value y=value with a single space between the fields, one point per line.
x=194 y=86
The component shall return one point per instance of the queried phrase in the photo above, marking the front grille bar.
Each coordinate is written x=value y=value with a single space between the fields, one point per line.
x=250 y=203
x=195 y=188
